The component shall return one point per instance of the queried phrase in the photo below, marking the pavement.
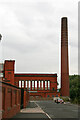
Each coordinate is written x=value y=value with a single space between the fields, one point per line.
x=32 y=112
x=47 y=110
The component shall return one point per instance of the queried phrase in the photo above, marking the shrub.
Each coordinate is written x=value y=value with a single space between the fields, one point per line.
x=66 y=99
x=75 y=101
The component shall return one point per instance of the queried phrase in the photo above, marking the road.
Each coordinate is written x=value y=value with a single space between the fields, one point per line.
x=48 y=110
x=58 y=110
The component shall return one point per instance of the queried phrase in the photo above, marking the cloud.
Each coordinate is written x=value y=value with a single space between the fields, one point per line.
x=32 y=33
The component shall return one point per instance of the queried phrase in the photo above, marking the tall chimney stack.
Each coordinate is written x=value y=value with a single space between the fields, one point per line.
x=64 y=58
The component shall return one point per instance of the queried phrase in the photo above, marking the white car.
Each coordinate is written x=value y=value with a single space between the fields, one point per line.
x=59 y=100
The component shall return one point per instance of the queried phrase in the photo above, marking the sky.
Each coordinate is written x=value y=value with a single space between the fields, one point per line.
x=31 y=34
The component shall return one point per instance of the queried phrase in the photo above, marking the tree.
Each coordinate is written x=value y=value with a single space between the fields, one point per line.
x=74 y=88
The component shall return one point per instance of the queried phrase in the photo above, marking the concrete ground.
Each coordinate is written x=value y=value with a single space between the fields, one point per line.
x=47 y=110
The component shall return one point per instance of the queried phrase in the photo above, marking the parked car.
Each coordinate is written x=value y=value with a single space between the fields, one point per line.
x=59 y=100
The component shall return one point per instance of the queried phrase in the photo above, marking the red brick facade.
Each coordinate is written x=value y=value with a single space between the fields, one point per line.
x=44 y=91
x=15 y=96
x=9 y=71
x=46 y=84
x=11 y=100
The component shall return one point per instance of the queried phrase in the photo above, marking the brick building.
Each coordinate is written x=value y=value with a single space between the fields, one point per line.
x=38 y=85
x=13 y=97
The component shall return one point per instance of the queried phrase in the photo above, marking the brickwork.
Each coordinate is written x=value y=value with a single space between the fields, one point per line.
x=40 y=91
x=11 y=94
x=11 y=97
x=9 y=71
x=64 y=58
x=46 y=83
x=25 y=98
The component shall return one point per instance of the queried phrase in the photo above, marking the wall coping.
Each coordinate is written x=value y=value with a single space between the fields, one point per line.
x=9 y=84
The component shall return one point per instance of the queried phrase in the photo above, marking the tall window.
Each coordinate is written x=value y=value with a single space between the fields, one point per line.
x=48 y=85
x=39 y=84
x=29 y=84
x=32 y=85
x=1 y=74
x=42 y=85
x=35 y=85
x=20 y=83
x=1 y=66
x=26 y=84
x=45 y=85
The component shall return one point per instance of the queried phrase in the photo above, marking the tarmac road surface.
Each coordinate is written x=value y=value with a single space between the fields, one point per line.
x=55 y=110
x=47 y=110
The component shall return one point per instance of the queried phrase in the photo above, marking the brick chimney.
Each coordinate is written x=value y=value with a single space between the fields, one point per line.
x=64 y=58
x=9 y=71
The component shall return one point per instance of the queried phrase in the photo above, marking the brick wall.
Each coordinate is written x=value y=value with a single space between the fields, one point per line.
x=11 y=100
x=25 y=98
x=38 y=77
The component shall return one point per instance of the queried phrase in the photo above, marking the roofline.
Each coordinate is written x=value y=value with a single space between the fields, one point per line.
x=35 y=75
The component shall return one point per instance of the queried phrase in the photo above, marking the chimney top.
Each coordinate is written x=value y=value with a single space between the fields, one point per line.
x=64 y=17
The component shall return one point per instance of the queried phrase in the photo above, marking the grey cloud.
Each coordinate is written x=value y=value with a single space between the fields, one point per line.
x=32 y=33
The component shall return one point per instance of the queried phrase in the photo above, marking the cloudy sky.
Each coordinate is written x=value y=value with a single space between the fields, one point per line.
x=31 y=31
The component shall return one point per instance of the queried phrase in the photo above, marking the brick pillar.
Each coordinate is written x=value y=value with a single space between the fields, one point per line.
x=12 y=97
x=64 y=58
x=40 y=86
x=47 y=85
x=50 y=85
x=21 y=83
x=43 y=85
x=17 y=96
x=34 y=84
x=37 y=85
x=24 y=104
x=31 y=85
x=6 y=94
x=18 y=83
x=24 y=84
x=27 y=85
